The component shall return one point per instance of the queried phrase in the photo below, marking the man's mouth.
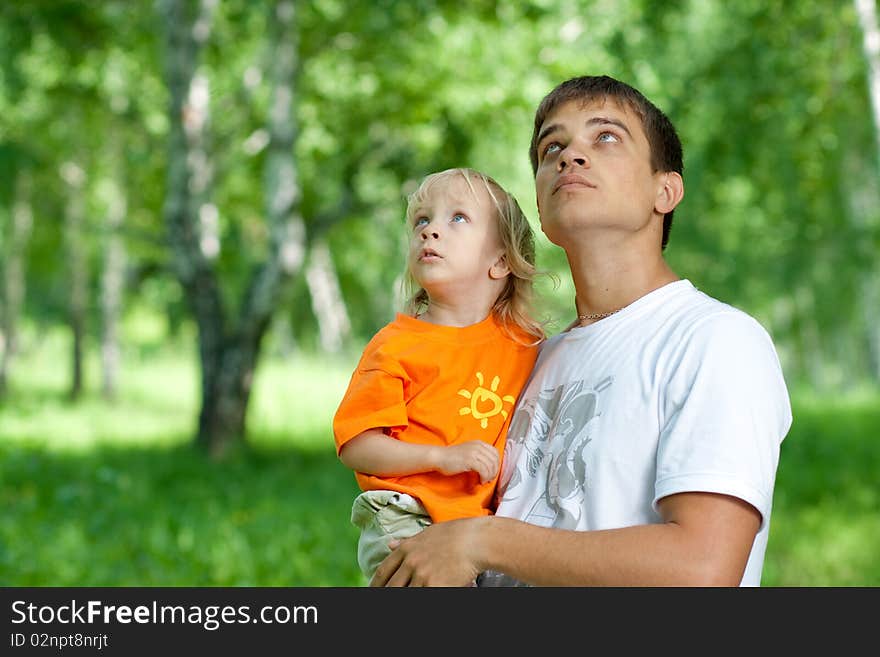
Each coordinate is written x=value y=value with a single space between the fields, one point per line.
x=571 y=181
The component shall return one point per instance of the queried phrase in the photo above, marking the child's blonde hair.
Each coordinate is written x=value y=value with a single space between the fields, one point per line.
x=514 y=305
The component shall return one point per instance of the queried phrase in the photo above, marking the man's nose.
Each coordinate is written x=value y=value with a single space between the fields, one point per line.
x=572 y=157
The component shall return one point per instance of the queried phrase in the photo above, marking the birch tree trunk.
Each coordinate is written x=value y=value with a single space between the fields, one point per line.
x=14 y=282
x=867 y=12
x=808 y=337
x=327 y=302
x=112 y=284
x=77 y=267
x=228 y=349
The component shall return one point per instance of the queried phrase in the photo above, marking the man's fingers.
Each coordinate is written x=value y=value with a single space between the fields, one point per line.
x=400 y=578
x=388 y=566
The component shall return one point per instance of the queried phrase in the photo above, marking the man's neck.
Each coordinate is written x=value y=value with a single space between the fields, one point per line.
x=606 y=280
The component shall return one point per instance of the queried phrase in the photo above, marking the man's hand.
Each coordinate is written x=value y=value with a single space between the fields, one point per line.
x=474 y=455
x=441 y=555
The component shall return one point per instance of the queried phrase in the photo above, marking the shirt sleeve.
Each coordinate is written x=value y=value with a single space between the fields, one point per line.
x=375 y=399
x=727 y=412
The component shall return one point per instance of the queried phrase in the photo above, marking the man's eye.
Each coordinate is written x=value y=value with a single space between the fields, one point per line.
x=607 y=137
x=459 y=218
x=552 y=147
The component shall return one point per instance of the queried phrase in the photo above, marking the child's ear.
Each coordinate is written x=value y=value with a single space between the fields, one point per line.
x=500 y=269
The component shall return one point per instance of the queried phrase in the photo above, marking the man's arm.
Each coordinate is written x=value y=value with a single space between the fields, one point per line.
x=704 y=540
x=374 y=452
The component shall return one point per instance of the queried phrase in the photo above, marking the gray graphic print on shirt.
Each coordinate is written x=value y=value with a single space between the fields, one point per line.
x=546 y=441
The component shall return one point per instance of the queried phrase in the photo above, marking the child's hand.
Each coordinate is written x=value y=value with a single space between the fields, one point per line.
x=474 y=455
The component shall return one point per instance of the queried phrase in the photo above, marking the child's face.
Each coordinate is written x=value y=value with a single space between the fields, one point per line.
x=454 y=243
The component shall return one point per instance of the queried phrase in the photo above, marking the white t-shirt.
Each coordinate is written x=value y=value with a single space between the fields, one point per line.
x=678 y=392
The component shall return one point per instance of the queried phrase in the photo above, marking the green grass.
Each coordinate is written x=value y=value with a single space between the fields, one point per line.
x=115 y=495
x=95 y=494
x=825 y=527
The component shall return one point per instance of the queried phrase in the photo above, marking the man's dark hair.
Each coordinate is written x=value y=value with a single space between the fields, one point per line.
x=666 y=154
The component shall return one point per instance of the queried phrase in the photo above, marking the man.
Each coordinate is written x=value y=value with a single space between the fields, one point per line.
x=643 y=451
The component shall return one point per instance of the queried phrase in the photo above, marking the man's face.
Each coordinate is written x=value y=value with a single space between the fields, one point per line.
x=594 y=171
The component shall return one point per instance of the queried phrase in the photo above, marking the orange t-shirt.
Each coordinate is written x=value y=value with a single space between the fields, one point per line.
x=437 y=385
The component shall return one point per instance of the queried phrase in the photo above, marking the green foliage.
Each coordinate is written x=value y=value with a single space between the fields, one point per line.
x=781 y=215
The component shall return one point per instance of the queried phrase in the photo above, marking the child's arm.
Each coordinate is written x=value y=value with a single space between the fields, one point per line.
x=374 y=452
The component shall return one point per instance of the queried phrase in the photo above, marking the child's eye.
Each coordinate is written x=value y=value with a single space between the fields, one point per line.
x=459 y=218
x=419 y=222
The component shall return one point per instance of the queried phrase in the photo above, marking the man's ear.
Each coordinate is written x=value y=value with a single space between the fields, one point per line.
x=669 y=193
x=500 y=269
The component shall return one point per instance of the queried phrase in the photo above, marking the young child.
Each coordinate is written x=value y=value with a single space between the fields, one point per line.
x=424 y=419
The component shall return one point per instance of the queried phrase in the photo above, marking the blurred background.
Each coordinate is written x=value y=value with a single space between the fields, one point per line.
x=201 y=225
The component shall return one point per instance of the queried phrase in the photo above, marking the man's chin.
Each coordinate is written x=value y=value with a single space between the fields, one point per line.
x=560 y=230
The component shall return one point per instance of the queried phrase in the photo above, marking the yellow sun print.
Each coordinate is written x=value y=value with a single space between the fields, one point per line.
x=485 y=403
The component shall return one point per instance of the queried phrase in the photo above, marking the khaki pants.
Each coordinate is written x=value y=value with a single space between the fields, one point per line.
x=382 y=515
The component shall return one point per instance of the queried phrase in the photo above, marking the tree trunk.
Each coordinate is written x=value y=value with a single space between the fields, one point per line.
x=809 y=337
x=282 y=334
x=112 y=282
x=186 y=184
x=287 y=241
x=327 y=302
x=867 y=12
x=226 y=388
x=228 y=351
x=14 y=282
x=78 y=275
